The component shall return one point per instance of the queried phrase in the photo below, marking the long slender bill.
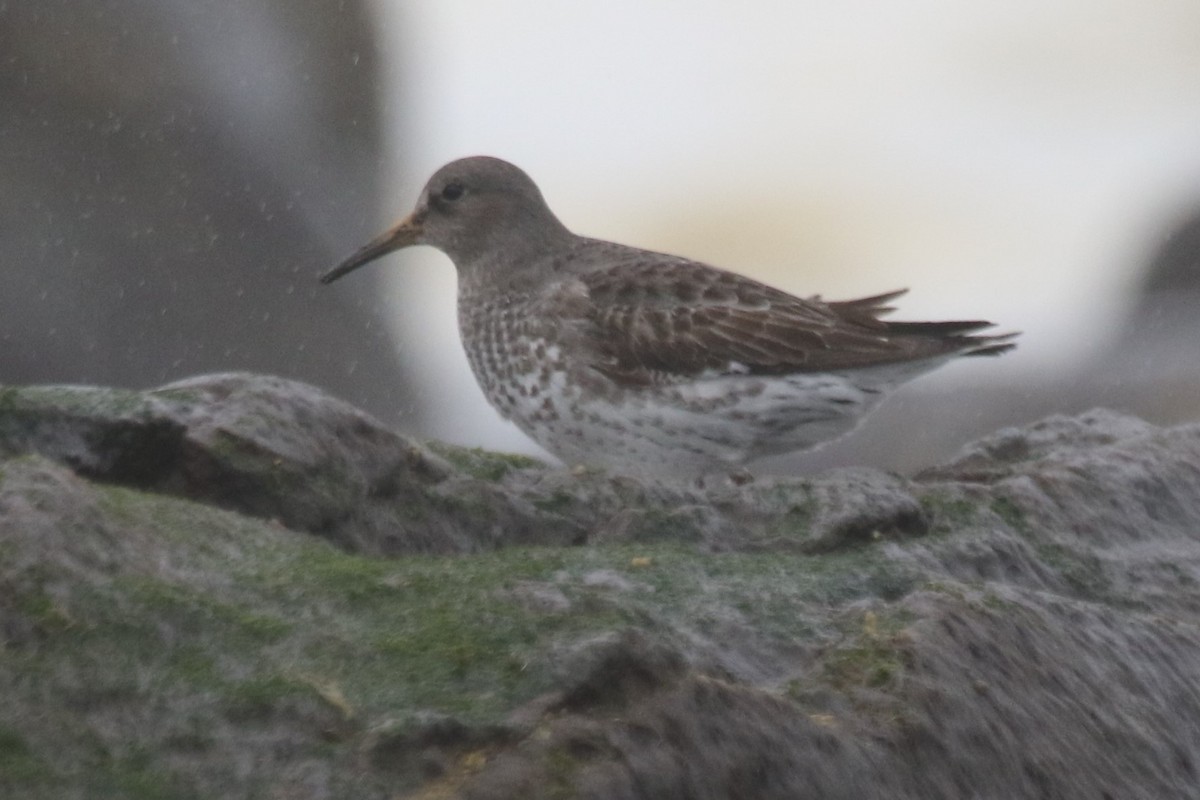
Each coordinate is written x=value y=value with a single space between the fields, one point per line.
x=404 y=233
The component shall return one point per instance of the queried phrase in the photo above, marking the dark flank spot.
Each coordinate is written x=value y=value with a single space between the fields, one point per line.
x=535 y=390
x=539 y=352
x=841 y=401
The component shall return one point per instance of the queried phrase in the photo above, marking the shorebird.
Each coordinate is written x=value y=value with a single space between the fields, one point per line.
x=640 y=361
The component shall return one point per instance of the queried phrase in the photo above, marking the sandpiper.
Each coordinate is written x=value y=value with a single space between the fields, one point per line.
x=639 y=361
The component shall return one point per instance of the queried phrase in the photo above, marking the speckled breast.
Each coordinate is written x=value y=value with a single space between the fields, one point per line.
x=522 y=371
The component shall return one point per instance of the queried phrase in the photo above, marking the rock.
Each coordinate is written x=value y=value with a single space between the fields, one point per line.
x=273 y=449
x=236 y=586
x=1003 y=451
x=156 y=222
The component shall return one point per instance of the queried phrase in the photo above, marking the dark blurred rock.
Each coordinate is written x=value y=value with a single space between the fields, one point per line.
x=1154 y=362
x=175 y=176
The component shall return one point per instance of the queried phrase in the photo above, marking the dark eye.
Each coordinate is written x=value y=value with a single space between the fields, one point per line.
x=452 y=191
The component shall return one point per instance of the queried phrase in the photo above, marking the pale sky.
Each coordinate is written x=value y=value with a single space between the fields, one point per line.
x=1015 y=162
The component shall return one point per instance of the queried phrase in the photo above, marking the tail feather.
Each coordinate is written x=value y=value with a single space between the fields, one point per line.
x=872 y=306
x=939 y=329
x=874 y=301
x=953 y=336
x=991 y=345
x=930 y=338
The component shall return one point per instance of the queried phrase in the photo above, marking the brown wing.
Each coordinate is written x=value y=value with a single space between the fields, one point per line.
x=652 y=319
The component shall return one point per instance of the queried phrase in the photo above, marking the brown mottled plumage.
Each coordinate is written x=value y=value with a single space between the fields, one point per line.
x=607 y=354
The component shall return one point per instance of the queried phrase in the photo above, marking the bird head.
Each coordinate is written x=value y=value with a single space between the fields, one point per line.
x=477 y=210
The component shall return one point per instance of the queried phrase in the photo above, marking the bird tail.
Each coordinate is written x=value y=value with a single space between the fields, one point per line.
x=955 y=335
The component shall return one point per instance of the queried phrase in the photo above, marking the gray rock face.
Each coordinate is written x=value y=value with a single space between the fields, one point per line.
x=175 y=176
x=235 y=585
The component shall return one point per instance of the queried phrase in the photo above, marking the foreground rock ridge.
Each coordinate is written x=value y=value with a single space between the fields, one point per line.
x=238 y=586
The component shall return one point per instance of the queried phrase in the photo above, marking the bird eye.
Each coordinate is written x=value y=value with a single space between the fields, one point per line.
x=452 y=191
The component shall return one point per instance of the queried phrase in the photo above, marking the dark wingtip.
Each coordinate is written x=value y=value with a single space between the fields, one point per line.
x=941 y=329
x=993 y=345
x=875 y=305
x=956 y=336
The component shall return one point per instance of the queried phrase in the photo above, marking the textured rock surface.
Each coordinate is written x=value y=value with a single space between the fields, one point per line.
x=236 y=586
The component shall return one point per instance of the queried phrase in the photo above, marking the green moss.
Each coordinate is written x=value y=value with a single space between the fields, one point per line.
x=246 y=456
x=1083 y=573
x=83 y=401
x=559 y=500
x=18 y=764
x=173 y=522
x=874 y=656
x=795 y=523
x=130 y=776
x=669 y=524
x=866 y=664
x=890 y=582
x=135 y=777
x=995 y=602
x=43 y=609
x=260 y=696
x=195 y=666
x=482 y=464
x=194 y=611
x=1011 y=513
x=223 y=623
x=948 y=511
x=480 y=510
x=873 y=665
x=955 y=590
x=181 y=396
x=348 y=578
x=561 y=766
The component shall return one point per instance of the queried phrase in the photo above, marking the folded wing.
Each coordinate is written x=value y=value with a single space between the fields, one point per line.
x=661 y=319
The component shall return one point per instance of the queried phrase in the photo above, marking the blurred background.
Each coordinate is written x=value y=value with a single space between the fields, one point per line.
x=177 y=172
